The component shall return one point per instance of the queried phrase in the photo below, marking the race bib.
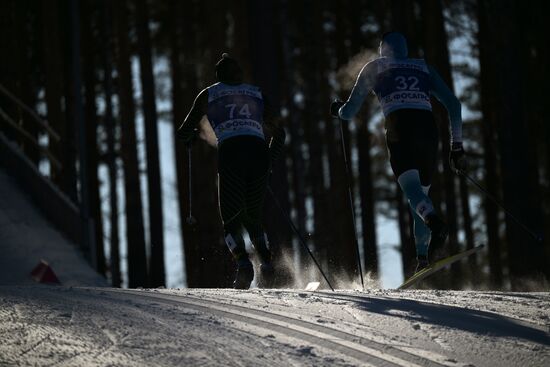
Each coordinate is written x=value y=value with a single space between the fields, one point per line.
x=235 y=110
x=403 y=84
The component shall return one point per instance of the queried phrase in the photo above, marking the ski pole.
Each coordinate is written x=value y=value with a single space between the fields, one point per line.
x=497 y=202
x=351 y=202
x=190 y=219
x=293 y=227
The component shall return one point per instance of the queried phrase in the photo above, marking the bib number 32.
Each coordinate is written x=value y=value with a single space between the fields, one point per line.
x=407 y=83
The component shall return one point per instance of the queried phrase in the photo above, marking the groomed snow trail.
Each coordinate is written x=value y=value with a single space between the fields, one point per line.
x=62 y=326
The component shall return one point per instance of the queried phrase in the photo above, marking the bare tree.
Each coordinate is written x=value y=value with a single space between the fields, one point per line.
x=151 y=139
x=137 y=261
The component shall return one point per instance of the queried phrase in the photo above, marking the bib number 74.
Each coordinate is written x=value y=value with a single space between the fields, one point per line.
x=242 y=111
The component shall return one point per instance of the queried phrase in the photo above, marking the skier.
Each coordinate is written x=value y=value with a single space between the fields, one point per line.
x=238 y=114
x=403 y=87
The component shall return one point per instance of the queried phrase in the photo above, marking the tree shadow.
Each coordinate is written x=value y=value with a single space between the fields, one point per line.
x=472 y=321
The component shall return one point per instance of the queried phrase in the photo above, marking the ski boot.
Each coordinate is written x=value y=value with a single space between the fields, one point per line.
x=267 y=276
x=421 y=263
x=245 y=274
x=439 y=235
x=267 y=271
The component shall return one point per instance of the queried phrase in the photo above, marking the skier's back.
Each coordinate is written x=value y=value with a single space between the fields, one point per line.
x=403 y=87
x=238 y=114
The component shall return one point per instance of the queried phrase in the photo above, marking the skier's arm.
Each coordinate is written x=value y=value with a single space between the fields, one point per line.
x=362 y=87
x=441 y=91
x=272 y=122
x=188 y=128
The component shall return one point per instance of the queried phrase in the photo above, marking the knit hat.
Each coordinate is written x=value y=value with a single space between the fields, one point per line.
x=228 y=70
x=394 y=44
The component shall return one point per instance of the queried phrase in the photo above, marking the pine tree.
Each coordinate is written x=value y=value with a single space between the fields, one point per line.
x=89 y=43
x=137 y=262
x=151 y=139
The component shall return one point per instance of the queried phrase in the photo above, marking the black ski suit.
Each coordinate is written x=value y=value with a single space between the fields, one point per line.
x=238 y=113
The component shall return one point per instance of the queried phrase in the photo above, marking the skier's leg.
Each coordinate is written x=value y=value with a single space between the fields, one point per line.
x=412 y=140
x=252 y=219
x=426 y=148
x=423 y=207
x=421 y=237
x=256 y=188
x=418 y=200
x=231 y=189
x=231 y=204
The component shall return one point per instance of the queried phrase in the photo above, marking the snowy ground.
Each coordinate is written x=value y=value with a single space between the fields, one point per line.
x=26 y=237
x=63 y=326
x=72 y=325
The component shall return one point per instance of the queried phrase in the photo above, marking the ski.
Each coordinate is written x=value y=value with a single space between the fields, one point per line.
x=438 y=265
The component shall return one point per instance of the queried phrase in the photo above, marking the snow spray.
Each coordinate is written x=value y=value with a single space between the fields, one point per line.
x=347 y=74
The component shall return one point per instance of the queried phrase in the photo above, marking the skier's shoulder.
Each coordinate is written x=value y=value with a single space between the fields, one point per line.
x=252 y=88
x=204 y=93
x=385 y=63
x=211 y=88
x=202 y=97
x=370 y=65
x=220 y=89
x=369 y=70
x=420 y=63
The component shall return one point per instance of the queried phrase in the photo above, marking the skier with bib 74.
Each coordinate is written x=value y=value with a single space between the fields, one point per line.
x=238 y=113
x=403 y=87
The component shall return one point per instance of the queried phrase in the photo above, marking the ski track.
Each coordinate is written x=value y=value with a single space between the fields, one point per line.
x=372 y=353
x=59 y=326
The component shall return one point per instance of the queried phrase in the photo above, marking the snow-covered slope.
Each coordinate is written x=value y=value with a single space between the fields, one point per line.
x=111 y=327
x=26 y=237
x=75 y=326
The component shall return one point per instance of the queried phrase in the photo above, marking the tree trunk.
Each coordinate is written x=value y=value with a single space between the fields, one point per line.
x=265 y=49
x=53 y=80
x=295 y=131
x=25 y=90
x=157 y=277
x=366 y=179
x=6 y=69
x=534 y=64
x=323 y=228
x=368 y=212
x=69 y=146
x=137 y=262
x=437 y=53
x=209 y=251
x=344 y=251
x=111 y=132
x=488 y=108
x=525 y=256
x=468 y=231
x=178 y=19
x=90 y=81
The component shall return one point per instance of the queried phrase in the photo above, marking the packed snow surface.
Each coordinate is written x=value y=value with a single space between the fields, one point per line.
x=26 y=237
x=70 y=326
x=81 y=324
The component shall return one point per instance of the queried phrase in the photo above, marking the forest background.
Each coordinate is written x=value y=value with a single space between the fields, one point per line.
x=114 y=79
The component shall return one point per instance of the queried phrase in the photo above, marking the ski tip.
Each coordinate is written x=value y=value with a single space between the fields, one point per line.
x=312 y=286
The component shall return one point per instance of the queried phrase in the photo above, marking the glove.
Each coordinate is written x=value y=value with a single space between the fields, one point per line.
x=457 y=158
x=335 y=107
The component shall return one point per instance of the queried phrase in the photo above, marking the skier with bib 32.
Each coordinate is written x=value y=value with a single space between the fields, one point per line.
x=403 y=87
x=238 y=113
